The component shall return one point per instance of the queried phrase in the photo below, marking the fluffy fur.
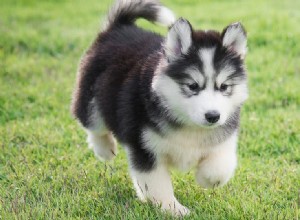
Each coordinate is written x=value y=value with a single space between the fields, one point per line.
x=171 y=102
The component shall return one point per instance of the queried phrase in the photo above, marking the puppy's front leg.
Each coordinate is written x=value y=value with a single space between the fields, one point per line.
x=218 y=167
x=155 y=185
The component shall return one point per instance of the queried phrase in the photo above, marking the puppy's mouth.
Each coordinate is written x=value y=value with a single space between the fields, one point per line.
x=207 y=125
x=211 y=125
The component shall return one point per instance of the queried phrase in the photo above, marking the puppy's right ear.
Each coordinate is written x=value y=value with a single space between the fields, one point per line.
x=179 y=39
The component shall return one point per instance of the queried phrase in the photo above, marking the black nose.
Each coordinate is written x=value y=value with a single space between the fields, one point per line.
x=212 y=116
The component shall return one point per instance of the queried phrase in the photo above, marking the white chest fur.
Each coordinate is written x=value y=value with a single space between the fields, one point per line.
x=182 y=148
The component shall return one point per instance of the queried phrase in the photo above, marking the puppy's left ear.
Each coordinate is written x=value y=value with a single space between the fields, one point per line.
x=234 y=37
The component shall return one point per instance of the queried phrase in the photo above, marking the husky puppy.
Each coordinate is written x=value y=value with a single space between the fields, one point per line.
x=172 y=102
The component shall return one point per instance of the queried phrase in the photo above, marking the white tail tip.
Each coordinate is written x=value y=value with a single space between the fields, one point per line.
x=165 y=16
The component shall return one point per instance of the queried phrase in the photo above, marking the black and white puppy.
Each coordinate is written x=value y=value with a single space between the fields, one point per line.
x=171 y=102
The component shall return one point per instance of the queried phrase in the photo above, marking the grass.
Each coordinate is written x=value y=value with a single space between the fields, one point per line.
x=46 y=170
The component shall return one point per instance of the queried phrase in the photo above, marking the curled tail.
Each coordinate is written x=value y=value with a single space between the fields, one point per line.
x=125 y=12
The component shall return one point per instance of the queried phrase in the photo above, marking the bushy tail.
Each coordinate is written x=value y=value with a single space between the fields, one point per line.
x=126 y=12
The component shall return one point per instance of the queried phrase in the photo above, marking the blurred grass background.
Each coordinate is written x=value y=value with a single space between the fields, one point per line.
x=46 y=170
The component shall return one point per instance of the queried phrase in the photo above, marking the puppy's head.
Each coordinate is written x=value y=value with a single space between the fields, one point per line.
x=201 y=78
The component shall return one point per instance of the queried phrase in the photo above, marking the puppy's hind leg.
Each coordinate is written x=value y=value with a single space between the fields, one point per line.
x=100 y=139
x=104 y=145
x=85 y=109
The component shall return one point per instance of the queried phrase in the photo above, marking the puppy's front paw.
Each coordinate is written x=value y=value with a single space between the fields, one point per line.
x=207 y=181
x=215 y=172
x=175 y=208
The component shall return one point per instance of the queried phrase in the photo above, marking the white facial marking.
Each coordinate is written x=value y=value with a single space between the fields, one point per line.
x=223 y=74
x=207 y=55
x=195 y=75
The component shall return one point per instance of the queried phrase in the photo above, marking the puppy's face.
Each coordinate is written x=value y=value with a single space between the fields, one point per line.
x=201 y=78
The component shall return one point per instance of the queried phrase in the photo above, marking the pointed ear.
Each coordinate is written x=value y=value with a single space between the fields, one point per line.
x=234 y=37
x=179 y=39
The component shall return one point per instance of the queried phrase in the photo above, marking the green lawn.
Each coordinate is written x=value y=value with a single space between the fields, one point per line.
x=46 y=170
